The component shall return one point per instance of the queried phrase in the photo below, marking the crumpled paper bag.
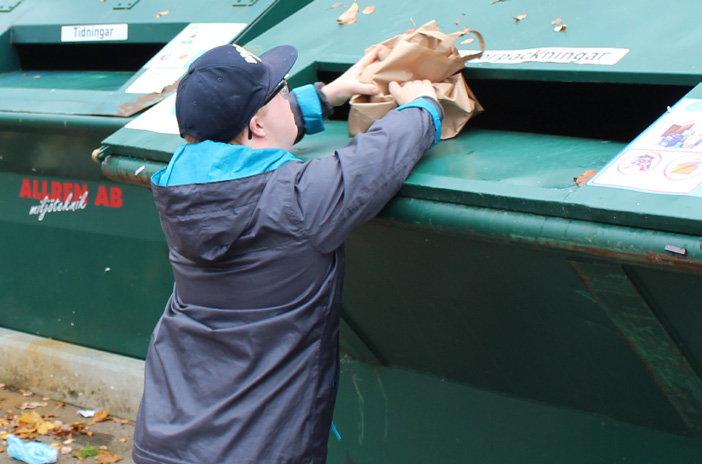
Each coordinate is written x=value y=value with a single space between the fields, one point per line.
x=424 y=53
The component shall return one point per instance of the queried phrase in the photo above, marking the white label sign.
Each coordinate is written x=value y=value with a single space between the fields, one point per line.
x=192 y=42
x=173 y=60
x=665 y=158
x=159 y=118
x=94 y=32
x=561 y=55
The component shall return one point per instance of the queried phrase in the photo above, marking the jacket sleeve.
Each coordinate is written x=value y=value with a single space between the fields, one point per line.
x=310 y=106
x=338 y=193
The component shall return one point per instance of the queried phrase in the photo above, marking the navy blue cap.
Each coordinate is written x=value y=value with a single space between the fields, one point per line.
x=225 y=87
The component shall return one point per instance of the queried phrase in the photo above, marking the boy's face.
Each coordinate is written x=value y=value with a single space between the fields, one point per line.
x=279 y=123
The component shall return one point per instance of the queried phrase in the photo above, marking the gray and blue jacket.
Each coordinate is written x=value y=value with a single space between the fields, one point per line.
x=242 y=365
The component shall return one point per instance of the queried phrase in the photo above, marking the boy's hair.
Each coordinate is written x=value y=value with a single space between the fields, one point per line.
x=190 y=139
x=236 y=140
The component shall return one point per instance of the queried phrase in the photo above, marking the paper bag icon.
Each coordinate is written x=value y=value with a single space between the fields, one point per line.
x=424 y=53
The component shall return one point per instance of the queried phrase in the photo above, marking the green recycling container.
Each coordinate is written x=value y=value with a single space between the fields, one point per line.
x=502 y=308
x=83 y=258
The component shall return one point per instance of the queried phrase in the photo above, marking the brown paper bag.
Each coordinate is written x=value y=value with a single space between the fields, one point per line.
x=424 y=53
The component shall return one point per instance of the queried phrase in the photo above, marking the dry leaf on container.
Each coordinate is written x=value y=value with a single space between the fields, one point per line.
x=520 y=17
x=368 y=10
x=584 y=177
x=336 y=5
x=162 y=13
x=560 y=25
x=349 y=16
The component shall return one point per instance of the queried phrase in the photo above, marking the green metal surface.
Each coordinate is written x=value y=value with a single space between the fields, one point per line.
x=488 y=298
x=480 y=320
x=130 y=170
x=84 y=259
x=97 y=276
x=649 y=338
x=663 y=40
x=65 y=80
x=397 y=416
x=38 y=23
x=468 y=275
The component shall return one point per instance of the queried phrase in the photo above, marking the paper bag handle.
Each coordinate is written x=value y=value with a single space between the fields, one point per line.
x=482 y=46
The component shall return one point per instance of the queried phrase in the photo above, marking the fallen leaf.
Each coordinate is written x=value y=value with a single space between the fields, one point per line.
x=107 y=458
x=368 y=10
x=122 y=440
x=102 y=415
x=584 y=177
x=336 y=5
x=557 y=21
x=44 y=427
x=2 y=386
x=349 y=16
x=66 y=450
x=29 y=418
x=162 y=13
x=24 y=406
x=87 y=452
x=560 y=27
x=120 y=421
x=26 y=393
x=520 y=17
x=467 y=41
x=456 y=22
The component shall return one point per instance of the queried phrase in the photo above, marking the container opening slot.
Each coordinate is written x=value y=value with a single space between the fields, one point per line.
x=603 y=111
x=86 y=56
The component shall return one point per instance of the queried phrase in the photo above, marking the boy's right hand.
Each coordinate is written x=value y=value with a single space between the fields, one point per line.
x=411 y=90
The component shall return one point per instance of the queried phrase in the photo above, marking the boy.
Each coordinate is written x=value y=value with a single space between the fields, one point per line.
x=243 y=365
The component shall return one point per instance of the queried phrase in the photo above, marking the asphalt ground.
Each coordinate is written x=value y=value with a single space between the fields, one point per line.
x=102 y=439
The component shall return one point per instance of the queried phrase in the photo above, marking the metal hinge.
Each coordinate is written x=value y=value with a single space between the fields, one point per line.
x=123 y=4
x=8 y=5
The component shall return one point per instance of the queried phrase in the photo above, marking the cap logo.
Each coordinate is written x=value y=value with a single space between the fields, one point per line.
x=247 y=55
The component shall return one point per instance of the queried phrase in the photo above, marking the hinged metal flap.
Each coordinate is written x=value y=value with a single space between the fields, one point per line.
x=8 y=5
x=125 y=5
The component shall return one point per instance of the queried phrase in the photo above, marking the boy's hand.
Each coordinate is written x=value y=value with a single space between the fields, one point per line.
x=411 y=90
x=343 y=87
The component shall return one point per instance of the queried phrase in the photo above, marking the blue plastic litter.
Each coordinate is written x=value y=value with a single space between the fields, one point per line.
x=32 y=452
x=336 y=432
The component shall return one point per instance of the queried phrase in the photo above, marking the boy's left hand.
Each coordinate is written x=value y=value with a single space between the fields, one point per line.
x=343 y=87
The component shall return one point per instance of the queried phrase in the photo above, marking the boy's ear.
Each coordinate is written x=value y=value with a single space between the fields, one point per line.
x=256 y=128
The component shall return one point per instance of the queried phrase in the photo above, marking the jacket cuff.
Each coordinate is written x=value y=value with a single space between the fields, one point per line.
x=433 y=107
x=310 y=106
x=299 y=120
x=327 y=109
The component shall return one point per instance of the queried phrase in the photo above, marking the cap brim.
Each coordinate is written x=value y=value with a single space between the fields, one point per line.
x=279 y=60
